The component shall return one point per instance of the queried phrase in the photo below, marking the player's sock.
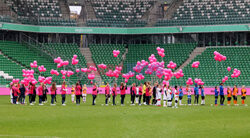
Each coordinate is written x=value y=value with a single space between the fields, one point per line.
x=164 y=103
x=180 y=102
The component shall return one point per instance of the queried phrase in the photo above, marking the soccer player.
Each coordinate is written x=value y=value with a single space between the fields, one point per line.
x=169 y=96
x=196 y=95
x=78 y=93
x=63 y=92
x=133 y=93
x=189 y=91
x=114 y=93
x=229 y=96
x=176 y=96
x=22 y=89
x=222 y=97
x=216 y=94
x=107 y=94
x=243 y=95
x=45 y=91
x=40 y=93
x=158 y=95
x=235 y=93
x=94 y=93
x=31 y=92
x=180 y=95
x=154 y=93
x=73 y=93
x=165 y=93
x=140 y=93
x=123 y=92
x=144 y=92
x=15 y=93
x=202 y=95
x=84 y=93
x=53 y=93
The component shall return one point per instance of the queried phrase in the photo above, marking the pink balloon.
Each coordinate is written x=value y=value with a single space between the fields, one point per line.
x=126 y=80
x=63 y=77
x=228 y=69
x=77 y=70
x=75 y=56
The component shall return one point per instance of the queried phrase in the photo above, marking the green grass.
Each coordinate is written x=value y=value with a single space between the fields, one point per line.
x=128 y=121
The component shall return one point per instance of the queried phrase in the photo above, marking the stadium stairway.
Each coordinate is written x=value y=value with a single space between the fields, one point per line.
x=172 y=8
x=88 y=56
x=152 y=14
x=64 y=9
x=196 y=51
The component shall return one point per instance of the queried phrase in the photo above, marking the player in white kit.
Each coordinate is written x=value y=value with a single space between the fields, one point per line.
x=176 y=96
x=165 y=89
x=158 y=95
x=169 y=93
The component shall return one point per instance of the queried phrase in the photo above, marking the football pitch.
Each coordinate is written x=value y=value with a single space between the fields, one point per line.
x=87 y=121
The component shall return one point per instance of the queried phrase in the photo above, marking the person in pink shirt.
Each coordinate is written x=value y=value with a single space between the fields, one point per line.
x=15 y=93
x=107 y=93
x=63 y=92
x=123 y=89
x=114 y=93
x=31 y=92
x=140 y=93
x=94 y=93
x=40 y=93
x=133 y=93
x=78 y=93
x=53 y=93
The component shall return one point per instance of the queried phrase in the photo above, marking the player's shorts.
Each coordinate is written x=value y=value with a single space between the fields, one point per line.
x=243 y=97
x=229 y=98
x=180 y=97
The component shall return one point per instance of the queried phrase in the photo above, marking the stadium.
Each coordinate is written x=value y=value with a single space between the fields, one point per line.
x=124 y=68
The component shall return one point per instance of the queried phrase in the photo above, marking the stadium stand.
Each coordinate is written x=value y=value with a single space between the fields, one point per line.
x=114 y=13
x=4 y=18
x=13 y=69
x=209 y=12
x=102 y=54
x=39 y=12
x=177 y=53
x=212 y=75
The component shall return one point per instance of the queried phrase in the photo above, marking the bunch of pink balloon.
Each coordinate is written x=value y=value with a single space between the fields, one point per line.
x=219 y=57
x=171 y=65
x=152 y=58
x=92 y=68
x=168 y=74
x=236 y=73
x=91 y=76
x=41 y=79
x=224 y=79
x=70 y=73
x=198 y=81
x=139 y=67
x=28 y=73
x=42 y=68
x=15 y=80
x=189 y=81
x=58 y=60
x=165 y=82
x=139 y=77
x=116 y=53
x=54 y=72
x=63 y=72
x=160 y=51
x=74 y=60
x=195 y=64
x=84 y=70
x=128 y=75
x=34 y=64
x=179 y=74
x=228 y=69
x=102 y=66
